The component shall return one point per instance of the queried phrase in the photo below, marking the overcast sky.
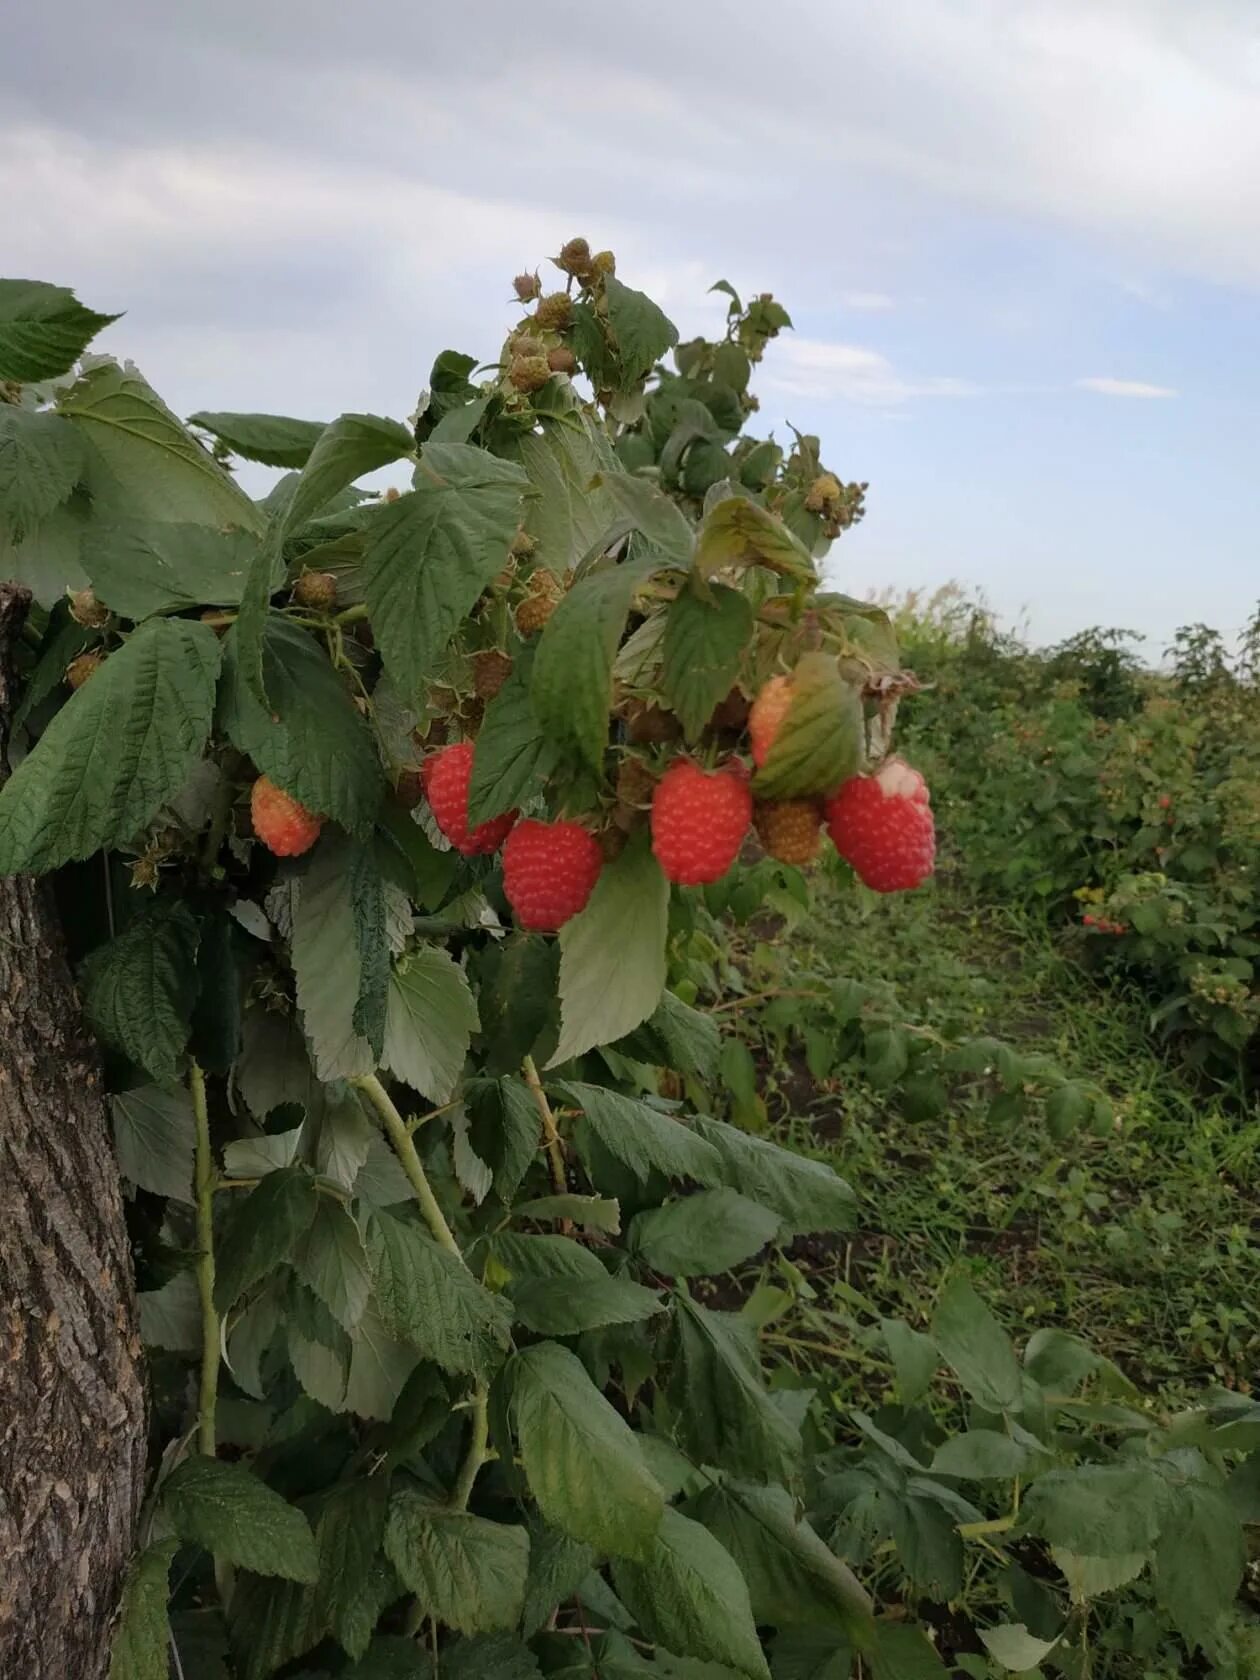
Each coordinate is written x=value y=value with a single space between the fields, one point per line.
x=1020 y=239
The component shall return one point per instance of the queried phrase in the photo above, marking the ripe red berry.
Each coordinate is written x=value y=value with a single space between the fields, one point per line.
x=549 y=872
x=699 y=820
x=284 y=827
x=883 y=826
x=447 y=776
x=768 y=712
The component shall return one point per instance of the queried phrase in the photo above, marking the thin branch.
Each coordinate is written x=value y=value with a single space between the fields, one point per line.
x=551 y=1135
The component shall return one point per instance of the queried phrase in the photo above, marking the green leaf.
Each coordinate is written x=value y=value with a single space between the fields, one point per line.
x=690 y=1040
x=490 y=1656
x=738 y=533
x=569 y=513
x=976 y=1348
x=504 y=1129
x=49 y=562
x=1200 y=1560
x=429 y=1298
x=41 y=460
x=642 y=331
x=119 y=749
x=592 y=1213
x=713 y=1231
x=646 y=509
x=170 y=1317
x=581 y=1459
x=380 y=1365
x=152 y=466
x=688 y=1595
x=331 y=1259
x=309 y=739
x=139 y=989
x=157 y=566
x=153 y=1139
x=274 y=439
x=904 y=1653
x=263 y=1231
x=270 y=1624
x=612 y=961
x=1089 y=1576
x=431 y=1016
x=558 y=1565
x=513 y=758
x=810 y=1654
x=820 y=741
x=723 y=1413
x=807 y=1195
x=326 y=962
x=979 y=1455
x=140 y=1648
x=354 y=1585
x=571 y=686
x=793 y=1578
x=1011 y=1644
x=430 y=554
x=468 y=1573
x=373 y=937
x=914 y=1358
x=641 y=1137
x=702 y=649
x=239 y=1519
x=43 y=330
x=1098 y=1510
x=552 y=1307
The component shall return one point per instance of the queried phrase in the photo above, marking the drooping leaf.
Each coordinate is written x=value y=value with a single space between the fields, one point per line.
x=641 y=330
x=138 y=990
x=701 y=652
x=380 y=1366
x=1098 y=1510
x=216 y=1023
x=120 y=748
x=153 y=1138
x=468 y=1573
x=738 y=532
x=158 y=566
x=612 y=961
x=1011 y=1644
x=807 y=1195
x=516 y=996
x=902 y=1652
x=552 y=1307
x=170 y=1317
x=264 y=1230
x=558 y=1565
x=820 y=742
x=644 y=508
x=326 y=962
x=810 y=1654
x=581 y=1458
x=238 y=1518
x=514 y=757
x=41 y=460
x=568 y=514
x=914 y=1358
x=43 y=330
x=140 y=1647
x=274 y=439
x=641 y=1137
x=430 y=554
x=371 y=905
x=309 y=739
x=980 y=1454
x=688 y=1595
x=331 y=1259
x=354 y=1583
x=430 y=1018
x=429 y=1298
x=723 y=1412
x=976 y=1348
x=504 y=1128
x=699 y=1235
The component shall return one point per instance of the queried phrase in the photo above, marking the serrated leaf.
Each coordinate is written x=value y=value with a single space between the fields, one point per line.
x=612 y=955
x=723 y=1412
x=264 y=1230
x=504 y=1128
x=430 y=1018
x=641 y=1137
x=139 y=989
x=902 y=1652
x=688 y=1595
x=793 y=1577
x=153 y=1139
x=738 y=532
x=142 y=567
x=571 y=685
x=581 y=1458
x=978 y=1455
x=44 y=330
x=49 y=563
x=592 y=1213
x=976 y=1348
x=1011 y=1644
x=558 y=1565
x=429 y=1298
x=568 y=514
x=914 y=1358
x=526 y=1257
x=430 y=554
x=1200 y=1560
x=810 y=1654
x=116 y=752
x=332 y=1260
x=513 y=758
x=820 y=742
x=153 y=466
x=1098 y=1510
x=1089 y=1576
x=270 y=1624
x=552 y=1307
x=170 y=1317
x=696 y=1236
x=140 y=1647
x=274 y=1067
x=274 y=439
x=238 y=1518
x=354 y=1584
x=309 y=739
x=646 y=509
x=374 y=938
x=326 y=962
x=642 y=331
x=807 y=1195
x=701 y=651
x=468 y=1573
x=41 y=460
x=380 y=1365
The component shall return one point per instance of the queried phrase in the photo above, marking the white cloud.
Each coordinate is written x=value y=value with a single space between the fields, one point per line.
x=873 y=301
x=1105 y=387
x=806 y=367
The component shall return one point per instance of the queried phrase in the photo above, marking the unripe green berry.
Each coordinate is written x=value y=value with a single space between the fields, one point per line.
x=529 y=373
x=554 y=312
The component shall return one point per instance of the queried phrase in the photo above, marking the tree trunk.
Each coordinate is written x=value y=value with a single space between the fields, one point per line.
x=72 y=1421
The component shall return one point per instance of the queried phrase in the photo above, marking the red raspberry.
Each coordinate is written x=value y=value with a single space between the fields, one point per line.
x=767 y=714
x=699 y=820
x=549 y=871
x=883 y=826
x=284 y=827
x=447 y=776
x=789 y=829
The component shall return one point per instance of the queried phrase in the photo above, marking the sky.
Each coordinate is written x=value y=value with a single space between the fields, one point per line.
x=1019 y=239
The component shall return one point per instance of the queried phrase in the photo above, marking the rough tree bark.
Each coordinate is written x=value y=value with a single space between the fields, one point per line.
x=71 y=1391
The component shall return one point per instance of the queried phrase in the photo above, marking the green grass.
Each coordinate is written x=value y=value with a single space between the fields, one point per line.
x=1143 y=1242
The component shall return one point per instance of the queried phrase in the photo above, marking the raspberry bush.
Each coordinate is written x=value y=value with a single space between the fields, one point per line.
x=426 y=1234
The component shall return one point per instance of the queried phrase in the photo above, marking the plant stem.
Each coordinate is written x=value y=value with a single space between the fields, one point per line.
x=551 y=1136
x=204 y=1180
x=475 y=1457
x=353 y=615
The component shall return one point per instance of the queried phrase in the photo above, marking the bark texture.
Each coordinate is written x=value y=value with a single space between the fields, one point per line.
x=72 y=1424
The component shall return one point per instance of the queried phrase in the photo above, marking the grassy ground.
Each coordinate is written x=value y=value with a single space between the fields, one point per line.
x=1144 y=1242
